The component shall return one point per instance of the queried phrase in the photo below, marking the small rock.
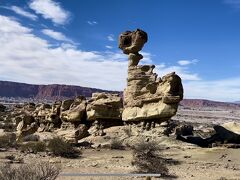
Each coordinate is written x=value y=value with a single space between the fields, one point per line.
x=94 y=164
x=54 y=161
x=117 y=157
x=10 y=157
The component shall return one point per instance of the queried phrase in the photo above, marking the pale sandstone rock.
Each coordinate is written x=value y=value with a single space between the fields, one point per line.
x=147 y=97
x=104 y=106
x=232 y=126
x=76 y=111
x=71 y=133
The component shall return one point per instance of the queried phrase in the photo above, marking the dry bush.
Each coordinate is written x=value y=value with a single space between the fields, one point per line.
x=147 y=160
x=116 y=144
x=59 y=147
x=31 y=137
x=33 y=171
x=128 y=131
x=33 y=147
x=7 y=140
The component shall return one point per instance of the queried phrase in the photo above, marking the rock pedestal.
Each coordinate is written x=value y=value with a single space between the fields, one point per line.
x=146 y=96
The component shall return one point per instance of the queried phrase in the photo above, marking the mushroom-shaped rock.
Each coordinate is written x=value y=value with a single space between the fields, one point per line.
x=146 y=96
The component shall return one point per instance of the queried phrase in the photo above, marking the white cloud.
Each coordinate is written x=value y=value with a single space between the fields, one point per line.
x=36 y=61
x=50 y=9
x=109 y=47
x=9 y=25
x=181 y=71
x=187 y=62
x=22 y=12
x=233 y=3
x=92 y=23
x=110 y=37
x=56 y=35
x=220 y=90
x=28 y=58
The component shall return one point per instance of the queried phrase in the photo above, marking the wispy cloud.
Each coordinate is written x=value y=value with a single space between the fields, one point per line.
x=22 y=12
x=92 y=23
x=50 y=9
x=187 y=62
x=220 y=90
x=183 y=72
x=110 y=37
x=233 y=3
x=109 y=47
x=56 y=35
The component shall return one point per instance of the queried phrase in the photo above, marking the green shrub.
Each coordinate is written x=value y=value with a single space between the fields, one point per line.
x=59 y=147
x=33 y=171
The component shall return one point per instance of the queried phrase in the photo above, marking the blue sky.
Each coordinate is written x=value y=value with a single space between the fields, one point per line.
x=76 y=42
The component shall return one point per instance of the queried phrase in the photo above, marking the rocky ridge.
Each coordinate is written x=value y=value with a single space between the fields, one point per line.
x=49 y=92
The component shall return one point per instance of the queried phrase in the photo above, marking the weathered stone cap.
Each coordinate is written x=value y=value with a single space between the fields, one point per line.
x=132 y=41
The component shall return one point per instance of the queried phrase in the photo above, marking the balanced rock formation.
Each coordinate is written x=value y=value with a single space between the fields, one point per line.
x=147 y=97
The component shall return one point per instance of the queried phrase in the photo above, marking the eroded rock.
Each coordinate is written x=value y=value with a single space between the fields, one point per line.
x=74 y=112
x=104 y=106
x=146 y=96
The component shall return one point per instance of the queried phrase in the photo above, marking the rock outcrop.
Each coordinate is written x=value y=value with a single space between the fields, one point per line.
x=147 y=97
x=104 y=106
x=74 y=110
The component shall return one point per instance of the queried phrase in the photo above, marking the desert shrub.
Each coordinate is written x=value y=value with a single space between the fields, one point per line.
x=147 y=160
x=59 y=147
x=31 y=137
x=33 y=171
x=116 y=144
x=128 y=131
x=33 y=147
x=7 y=140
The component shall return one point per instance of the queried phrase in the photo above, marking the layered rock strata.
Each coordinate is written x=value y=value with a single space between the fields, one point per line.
x=147 y=97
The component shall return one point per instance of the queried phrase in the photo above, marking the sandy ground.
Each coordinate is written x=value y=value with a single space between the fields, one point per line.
x=193 y=162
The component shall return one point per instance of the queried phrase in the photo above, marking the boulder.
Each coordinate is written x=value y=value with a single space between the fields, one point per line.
x=104 y=106
x=66 y=104
x=76 y=111
x=146 y=96
x=227 y=133
x=71 y=133
x=184 y=130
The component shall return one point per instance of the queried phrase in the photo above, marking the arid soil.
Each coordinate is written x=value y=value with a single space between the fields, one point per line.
x=207 y=115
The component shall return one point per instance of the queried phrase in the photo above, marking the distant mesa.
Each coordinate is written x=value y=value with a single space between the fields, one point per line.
x=49 y=92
